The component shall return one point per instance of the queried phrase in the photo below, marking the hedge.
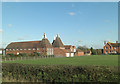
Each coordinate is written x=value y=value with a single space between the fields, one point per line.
x=58 y=73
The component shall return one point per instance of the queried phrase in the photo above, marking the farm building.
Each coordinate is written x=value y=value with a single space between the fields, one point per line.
x=42 y=47
x=79 y=52
x=111 y=47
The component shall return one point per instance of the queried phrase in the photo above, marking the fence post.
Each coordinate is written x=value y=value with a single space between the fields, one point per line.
x=9 y=59
x=5 y=59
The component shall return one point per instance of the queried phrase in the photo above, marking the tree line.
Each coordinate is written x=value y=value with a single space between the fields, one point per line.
x=93 y=51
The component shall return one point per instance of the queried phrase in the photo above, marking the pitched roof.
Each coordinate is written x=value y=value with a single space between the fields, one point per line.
x=57 y=42
x=29 y=44
x=115 y=44
x=67 y=46
x=78 y=50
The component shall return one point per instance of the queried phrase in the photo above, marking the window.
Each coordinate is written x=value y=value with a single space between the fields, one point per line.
x=105 y=47
x=29 y=49
x=33 y=48
x=115 y=52
x=37 y=48
x=6 y=49
x=51 y=51
x=14 y=49
x=20 y=49
x=17 y=49
x=24 y=49
x=105 y=52
x=17 y=53
x=110 y=52
x=10 y=49
x=115 y=48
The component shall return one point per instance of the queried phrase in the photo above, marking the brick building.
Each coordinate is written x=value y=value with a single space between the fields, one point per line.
x=62 y=50
x=79 y=52
x=42 y=47
x=111 y=47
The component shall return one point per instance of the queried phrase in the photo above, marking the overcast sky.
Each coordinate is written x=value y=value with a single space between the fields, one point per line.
x=84 y=23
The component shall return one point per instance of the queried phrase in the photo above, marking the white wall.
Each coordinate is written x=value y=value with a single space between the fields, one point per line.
x=72 y=54
x=67 y=55
x=17 y=53
x=0 y=51
x=74 y=50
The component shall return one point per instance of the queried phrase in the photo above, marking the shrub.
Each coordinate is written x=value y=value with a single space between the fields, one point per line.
x=10 y=54
x=35 y=54
x=59 y=73
x=22 y=54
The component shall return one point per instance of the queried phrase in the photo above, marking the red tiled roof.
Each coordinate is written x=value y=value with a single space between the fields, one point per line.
x=29 y=44
x=78 y=50
x=115 y=44
x=67 y=46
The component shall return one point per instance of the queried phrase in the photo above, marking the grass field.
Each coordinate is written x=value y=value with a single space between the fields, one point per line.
x=100 y=60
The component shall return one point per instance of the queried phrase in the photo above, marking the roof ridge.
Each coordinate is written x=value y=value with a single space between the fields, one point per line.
x=26 y=42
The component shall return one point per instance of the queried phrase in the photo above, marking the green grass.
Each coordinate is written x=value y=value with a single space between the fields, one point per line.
x=100 y=60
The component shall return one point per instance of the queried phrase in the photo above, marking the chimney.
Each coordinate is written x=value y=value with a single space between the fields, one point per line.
x=116 y=41
x=104 y=42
